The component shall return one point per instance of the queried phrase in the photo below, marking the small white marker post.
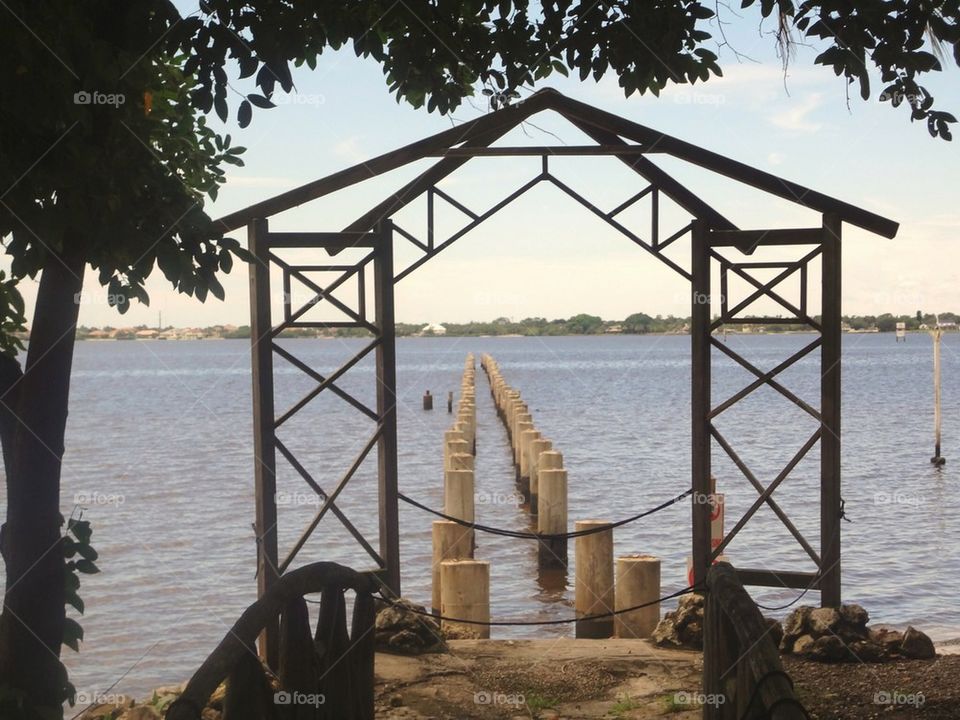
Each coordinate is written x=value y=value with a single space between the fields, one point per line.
x=937 y=458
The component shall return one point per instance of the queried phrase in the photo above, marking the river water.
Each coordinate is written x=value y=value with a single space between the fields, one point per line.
x=159 y=456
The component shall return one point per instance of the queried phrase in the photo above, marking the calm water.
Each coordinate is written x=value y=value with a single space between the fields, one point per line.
x=159 y=444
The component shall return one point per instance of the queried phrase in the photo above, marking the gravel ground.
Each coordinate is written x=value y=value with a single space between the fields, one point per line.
x=928 y=689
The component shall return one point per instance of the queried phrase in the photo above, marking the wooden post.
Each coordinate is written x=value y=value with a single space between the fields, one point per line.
x=638 y=582
x=465 y=594
x=450 y=401
x=937 y=458
x=427 y=401
x=458 y=495
x=386 y=363
x=449 y=437
x=456 y=447
x=526 y=438
x=700 y=398
x=450 y=542
x=594 y=592
x=524 y=424
x=830 y=415
x=552 y=517
x=462 y=461
x=264 y=447
x=537 y=447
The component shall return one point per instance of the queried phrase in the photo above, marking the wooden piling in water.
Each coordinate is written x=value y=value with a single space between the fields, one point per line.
x=450 y=542
x=637 y=583
x=526 y=438
x=465 y=594
x=538 y=446
x=594 y=590
x=552 y=518
x=427 y=401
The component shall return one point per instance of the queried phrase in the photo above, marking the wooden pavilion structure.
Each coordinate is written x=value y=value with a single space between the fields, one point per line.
x=714 y=240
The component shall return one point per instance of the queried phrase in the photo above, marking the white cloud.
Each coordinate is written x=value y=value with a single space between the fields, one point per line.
x=796 y=118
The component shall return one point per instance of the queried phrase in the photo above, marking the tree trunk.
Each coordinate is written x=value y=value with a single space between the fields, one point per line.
x=31 y=626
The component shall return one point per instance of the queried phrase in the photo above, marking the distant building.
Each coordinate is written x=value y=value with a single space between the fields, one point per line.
x=146 y=334
x=433 y=329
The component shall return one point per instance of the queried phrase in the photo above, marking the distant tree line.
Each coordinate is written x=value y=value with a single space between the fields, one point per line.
x=582 y=324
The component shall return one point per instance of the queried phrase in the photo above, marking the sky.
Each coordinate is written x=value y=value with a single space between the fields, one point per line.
x=544 y=255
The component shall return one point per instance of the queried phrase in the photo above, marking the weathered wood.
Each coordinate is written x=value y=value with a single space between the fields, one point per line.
x=532 y=150
x=332 y=643
x=700 y=398
x=386 y=361
x=741 y=659
x=264 y=448
x=651 y=172
x=240 y=638
x=830 y=499
x=506 y=118
x=654 y=140
x=779 y=579
x=298 y=669
x=249 y=696
x=362 y=654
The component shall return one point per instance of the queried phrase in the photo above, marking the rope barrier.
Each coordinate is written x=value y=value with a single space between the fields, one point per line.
x=564 y=621
x=544 y=536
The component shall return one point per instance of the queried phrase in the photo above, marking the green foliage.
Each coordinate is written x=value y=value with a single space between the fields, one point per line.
x=80 y=557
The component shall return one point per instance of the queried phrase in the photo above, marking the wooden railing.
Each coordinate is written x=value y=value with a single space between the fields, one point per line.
x=743 y=677
x=324 y=675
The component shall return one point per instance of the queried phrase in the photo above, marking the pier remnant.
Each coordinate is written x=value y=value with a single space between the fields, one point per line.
x=465 y=594
x=637 y=583
x=593 y=590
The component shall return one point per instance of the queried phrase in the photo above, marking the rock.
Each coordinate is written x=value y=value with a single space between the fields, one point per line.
x=867 y=651
x=802 y=644
x=916 y=645
x=854 y=615
x=828 y=648
x=823 y=621
x=210 y=714
x=888 y=639
x=396 y=701
x=796 y=623
x=141 y=712
x=216 y=700
x=402 y=629
x=682 y=627
x=107 y=710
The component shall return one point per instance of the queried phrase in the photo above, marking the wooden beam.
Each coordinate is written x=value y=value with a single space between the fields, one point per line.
x=749 y=240
x=779 y=578
x=830 y=498
x=504 y=120
x=334 y=241
x=536 y=150
x=655 y=141
x=264 y=448
x=387 y=408
x=700 y=398
x=658 y=177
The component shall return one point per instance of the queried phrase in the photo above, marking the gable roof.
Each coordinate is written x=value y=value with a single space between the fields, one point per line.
x=629 y=141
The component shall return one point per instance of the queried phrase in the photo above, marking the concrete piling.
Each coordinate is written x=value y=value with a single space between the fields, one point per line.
x=552 y=518
x=450 y=542
x=594 y=590
x=637 y=583
x=465 y=594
